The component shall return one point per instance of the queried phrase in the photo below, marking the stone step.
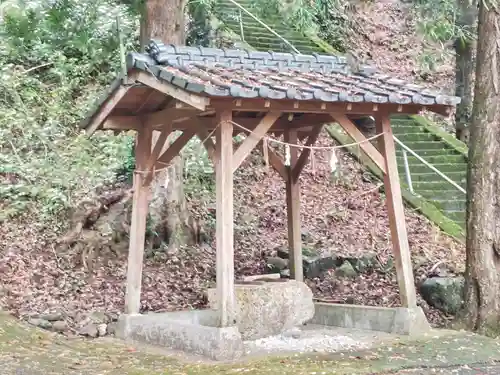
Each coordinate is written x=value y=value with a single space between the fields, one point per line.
x=428 y=152
x=433 y=159
x=446 y=168
x=259 y=31
x=457 y=216
x=458 y=177
x=450 y=205
x=416 y=136
x=442 y=194
x=437 y=186
x=231 y=17
x=423 y=145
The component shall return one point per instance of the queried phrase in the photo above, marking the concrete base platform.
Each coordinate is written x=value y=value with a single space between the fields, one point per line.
x=193 y=331
x=397 y=320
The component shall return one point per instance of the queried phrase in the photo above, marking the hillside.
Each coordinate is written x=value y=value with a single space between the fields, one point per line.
x=344 y=216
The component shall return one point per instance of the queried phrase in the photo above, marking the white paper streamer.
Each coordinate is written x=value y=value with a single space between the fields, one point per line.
x=287 y=155
x=333 y=161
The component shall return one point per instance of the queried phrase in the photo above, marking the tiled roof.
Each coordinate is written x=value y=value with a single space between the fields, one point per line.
x=250 y=74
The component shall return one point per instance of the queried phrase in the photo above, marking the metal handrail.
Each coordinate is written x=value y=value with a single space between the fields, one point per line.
x=267 y=27
x=441 y=174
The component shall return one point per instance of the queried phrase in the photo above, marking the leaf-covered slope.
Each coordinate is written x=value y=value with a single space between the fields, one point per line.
x=346 y=216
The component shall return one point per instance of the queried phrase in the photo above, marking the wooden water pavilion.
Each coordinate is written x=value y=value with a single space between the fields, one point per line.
x=204 y=91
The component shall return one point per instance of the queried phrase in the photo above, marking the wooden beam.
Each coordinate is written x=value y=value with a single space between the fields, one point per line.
x=293 y=211
x=254 y=138
x=396 y=212
x=304 y=156
x=317 y=106
x=122 y=123
x=196 y=101
x=169 y=115
x=138 y=225
x=106 y=109
x=277 y=163
x=205 y=138
x=158 y=148
x=224 y=217
x=175 y=148
x=351 y=129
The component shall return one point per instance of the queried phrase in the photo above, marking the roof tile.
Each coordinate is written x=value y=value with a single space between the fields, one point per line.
x=277 y=75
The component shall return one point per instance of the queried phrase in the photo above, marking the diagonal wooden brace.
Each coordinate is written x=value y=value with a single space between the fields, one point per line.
x=304 y=156
x=351 y=129
x=254 y=138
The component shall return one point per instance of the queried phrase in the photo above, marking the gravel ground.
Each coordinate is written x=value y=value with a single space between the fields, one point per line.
x=315 y=339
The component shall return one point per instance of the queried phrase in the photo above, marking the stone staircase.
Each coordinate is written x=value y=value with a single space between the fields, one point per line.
x=443 y=156
x=257 y=35
x=426 y=139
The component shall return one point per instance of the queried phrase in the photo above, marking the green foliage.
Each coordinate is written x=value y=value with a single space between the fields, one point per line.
x=200 y=13
x=437 y=24
x=198 y=171
x=326 y=18
x=56 y=56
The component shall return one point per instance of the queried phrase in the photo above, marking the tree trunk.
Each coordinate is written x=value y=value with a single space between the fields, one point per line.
x=482 y=286
x=165 y=21
x=464 y=67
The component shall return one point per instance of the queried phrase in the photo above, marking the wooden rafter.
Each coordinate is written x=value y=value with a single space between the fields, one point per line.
x=317 y=106
x=196 y=101
x=351 y=129
x=254 y=138
x=106 y=109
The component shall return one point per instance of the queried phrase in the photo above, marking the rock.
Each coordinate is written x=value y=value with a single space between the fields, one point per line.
x=41 y=323
x=270 y=308
x=111 y=328
x=313 y=263
x=89 y=330
x=285 y=273
x=444 y=293
x=99 y=317
x=346 y=270
x=102 y=329
x=365 y=262
x=51 y=317
x=60 y=326
x=276 y=264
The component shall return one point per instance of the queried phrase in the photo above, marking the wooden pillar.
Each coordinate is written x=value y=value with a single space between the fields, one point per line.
x=224 y=217
x=138 y=224
x=396 y=213
x=293 y=210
